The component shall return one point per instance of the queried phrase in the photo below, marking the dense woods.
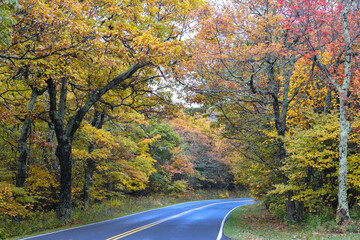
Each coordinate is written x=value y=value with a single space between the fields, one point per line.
x=269 y=95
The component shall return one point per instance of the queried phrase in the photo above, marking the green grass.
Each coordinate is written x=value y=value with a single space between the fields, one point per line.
x=255 y=222
x=41 y=222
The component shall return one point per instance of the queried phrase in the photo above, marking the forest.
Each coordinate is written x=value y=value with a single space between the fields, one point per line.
x=101 y=99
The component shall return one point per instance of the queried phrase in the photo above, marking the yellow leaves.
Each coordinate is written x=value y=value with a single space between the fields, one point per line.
x=104 y=142
x=80 y=154
x=8 y=202
x=305 y=82
x=99 y=137
x=120 y=160
x=130 y=174
x=271 y=135
x=143 y=145
x=354 y=172
x=315 y=147
x=87 y=40
x=40 y=179
x=312 y=164
x=281 y=188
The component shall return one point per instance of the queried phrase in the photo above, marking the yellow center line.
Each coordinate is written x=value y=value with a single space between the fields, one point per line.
x=135 y=230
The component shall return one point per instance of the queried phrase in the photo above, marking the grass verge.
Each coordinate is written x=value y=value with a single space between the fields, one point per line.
x=255 y=222
x=41 y=222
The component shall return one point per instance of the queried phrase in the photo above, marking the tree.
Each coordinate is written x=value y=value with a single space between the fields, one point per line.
x=120 y=159
x=171 y=164
x=248 y=66
x=204 y=147
x=329 y=33
x=81 y=51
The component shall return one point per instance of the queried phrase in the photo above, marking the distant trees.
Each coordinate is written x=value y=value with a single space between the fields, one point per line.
x=206 y=150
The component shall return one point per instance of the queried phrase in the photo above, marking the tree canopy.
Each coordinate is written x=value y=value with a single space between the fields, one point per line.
x=87 y=110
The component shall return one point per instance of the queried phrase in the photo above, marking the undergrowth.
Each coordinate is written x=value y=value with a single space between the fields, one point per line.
x=255 y=222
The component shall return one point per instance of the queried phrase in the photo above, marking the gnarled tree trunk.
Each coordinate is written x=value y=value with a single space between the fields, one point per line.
x=22 y=143
x=65 y=131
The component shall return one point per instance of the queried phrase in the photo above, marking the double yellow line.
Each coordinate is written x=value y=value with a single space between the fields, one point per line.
x=153 y=224
x=160 y=221
x=136 y=230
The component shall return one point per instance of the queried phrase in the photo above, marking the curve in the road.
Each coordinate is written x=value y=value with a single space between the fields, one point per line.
x=200 y=220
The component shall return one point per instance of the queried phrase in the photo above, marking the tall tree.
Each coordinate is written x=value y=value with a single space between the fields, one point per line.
x=81 y=51
x=329 y=32
x=248 y=65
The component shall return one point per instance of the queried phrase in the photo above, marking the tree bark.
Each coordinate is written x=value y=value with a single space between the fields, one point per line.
x=22 y=144
x=51 y=159
x=343 y=214
x=65 y=131
x=63 y=152
x=89 y=172
x=294 y=209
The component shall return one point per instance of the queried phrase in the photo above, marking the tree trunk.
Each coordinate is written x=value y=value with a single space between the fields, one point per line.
x=65 y=131
x=343 y=206
x=294 y=209
x=90 y=164
x=89 y=172
x=22 y=144
x=327 y=106
x=63 y=152
x=23 y=151
x=343 y=214
x=52 y=157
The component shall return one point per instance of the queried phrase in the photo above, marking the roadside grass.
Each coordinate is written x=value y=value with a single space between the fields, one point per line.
x=255 y=222
x=42 y=222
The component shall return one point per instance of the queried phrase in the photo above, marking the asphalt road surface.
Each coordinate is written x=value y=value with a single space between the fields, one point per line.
x=200 y=220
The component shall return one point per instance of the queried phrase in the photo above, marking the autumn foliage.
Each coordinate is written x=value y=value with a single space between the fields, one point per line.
x=282 y=77
x=86 y=110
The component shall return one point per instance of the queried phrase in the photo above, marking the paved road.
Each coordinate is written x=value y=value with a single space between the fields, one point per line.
x=201 y=220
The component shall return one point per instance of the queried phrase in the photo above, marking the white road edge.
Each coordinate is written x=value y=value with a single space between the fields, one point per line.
x=223 y=223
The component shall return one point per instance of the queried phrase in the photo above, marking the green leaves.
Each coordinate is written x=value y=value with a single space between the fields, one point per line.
x=7 y=19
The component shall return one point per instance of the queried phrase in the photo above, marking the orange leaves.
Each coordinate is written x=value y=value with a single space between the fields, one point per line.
x=180 y=163
x=75 y=48
x=98 y=33
x=9 y=204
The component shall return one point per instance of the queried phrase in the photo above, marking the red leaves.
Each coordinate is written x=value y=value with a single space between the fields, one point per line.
x=180 y=163
x=312 y=22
